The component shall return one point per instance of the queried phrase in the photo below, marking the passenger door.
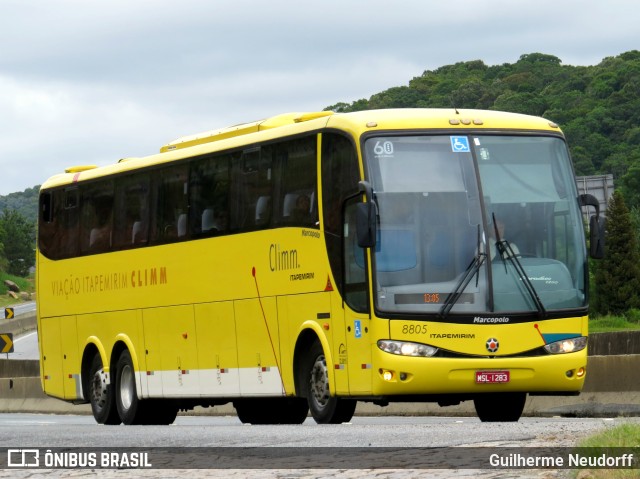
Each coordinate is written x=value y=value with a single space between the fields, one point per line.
x=356 y=306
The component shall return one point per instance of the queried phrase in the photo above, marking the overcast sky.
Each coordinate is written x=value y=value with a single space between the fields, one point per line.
x=93 y=81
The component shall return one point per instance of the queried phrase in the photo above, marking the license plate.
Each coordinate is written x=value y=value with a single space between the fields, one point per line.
x=492 y=377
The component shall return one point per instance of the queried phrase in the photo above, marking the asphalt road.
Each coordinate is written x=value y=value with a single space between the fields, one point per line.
x=22 y=430
x=217 y=440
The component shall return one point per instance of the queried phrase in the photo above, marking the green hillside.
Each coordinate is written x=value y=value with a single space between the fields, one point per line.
x=25 y=203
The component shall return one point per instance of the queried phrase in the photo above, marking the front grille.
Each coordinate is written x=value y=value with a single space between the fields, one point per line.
x=443 y=353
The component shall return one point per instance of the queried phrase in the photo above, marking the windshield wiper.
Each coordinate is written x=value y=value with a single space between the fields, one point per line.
x=472 y=269
x=507 y=254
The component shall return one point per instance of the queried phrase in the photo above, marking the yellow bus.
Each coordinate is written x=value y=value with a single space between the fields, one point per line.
x=312 y=260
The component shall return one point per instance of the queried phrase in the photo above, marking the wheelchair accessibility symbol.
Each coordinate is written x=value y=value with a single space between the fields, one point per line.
x=460 y=144
x=357 y=328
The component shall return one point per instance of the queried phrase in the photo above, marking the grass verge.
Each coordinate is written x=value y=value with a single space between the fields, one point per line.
x=623 y=436
x=608 y=323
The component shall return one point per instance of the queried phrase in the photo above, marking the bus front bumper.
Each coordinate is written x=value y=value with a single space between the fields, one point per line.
x=401 y=375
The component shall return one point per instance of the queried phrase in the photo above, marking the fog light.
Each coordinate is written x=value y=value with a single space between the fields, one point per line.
x=403 y=376
x=581 y=372
x=569 y=373
x=387 y=375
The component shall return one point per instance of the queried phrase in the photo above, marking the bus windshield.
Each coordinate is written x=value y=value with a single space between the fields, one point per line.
x=475 y=224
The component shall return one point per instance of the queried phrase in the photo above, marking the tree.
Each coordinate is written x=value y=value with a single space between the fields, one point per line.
x=16 y=234
x=630 y=185
x=582 y=161
x=618 y=274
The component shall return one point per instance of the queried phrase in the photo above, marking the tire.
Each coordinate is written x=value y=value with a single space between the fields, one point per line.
x=130 y=408
x=246 y=409
x=272 y=410
x=500 y=407
x=293 y=411
x=160 y=412
x=325 y=408
x=101 y=397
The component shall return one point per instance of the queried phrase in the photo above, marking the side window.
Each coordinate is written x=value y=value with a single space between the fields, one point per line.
x=251 y=196
x=209 y=196
x=171 y=205
x=47 y=225
x=131 y=220
x=67 y=212
x=46 y=207
x=340 y=176
x=58 y=223
x=297 y=193
x=96 y=217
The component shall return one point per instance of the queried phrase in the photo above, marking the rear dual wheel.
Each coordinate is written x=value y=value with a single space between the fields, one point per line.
x=130 y=408
x=101 y=396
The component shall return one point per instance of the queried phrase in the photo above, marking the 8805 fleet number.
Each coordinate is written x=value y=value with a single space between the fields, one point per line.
x=414 y=329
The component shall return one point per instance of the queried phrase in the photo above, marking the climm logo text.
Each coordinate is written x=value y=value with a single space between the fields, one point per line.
x=281 y=259
x=149 y=277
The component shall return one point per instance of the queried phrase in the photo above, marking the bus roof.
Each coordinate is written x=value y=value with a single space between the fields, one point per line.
x=287 y=124
x=243 y=129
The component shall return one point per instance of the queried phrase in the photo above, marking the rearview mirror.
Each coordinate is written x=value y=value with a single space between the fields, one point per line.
x=590 y=200
x=596 y=227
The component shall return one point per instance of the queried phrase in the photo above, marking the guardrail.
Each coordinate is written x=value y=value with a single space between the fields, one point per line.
x=20 y=324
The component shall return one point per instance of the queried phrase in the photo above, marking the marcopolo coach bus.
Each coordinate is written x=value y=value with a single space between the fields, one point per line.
x=312 y=260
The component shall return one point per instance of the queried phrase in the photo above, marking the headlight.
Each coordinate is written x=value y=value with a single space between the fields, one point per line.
x=567 y=345
x=404 y=348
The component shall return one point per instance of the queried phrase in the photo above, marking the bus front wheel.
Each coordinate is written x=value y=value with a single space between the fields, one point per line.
x=500 y=407
x=103 y=405
x=325 y=408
